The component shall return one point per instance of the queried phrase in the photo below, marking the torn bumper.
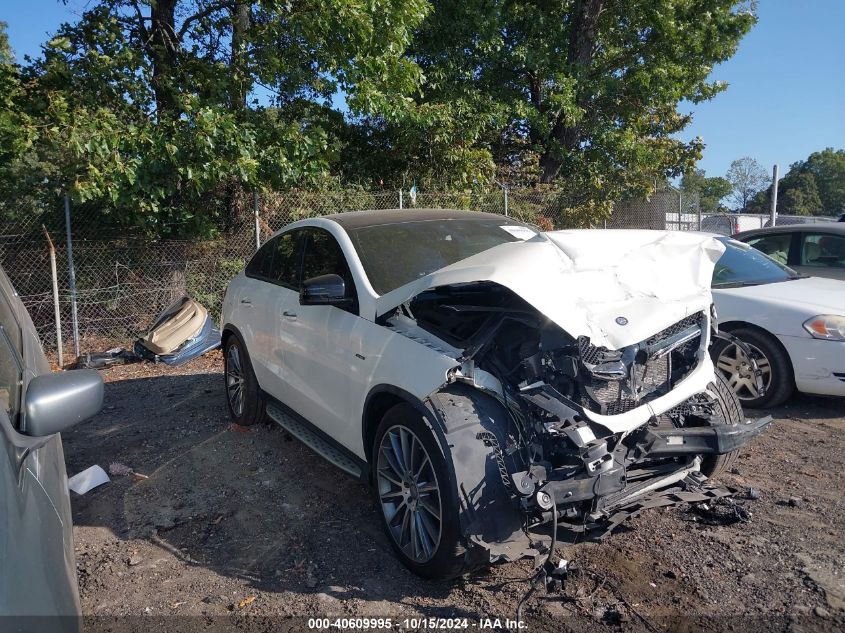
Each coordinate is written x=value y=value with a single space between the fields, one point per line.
x=711 y=440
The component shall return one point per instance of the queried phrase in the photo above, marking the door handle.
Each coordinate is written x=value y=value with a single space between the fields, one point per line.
x=246 y=302
x=290 y=315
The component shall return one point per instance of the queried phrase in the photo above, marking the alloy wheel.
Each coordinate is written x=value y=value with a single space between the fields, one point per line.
x=737 y=368
x=409 y=494
x=235 y=380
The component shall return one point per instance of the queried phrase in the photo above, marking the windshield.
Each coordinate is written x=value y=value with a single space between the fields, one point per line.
x=398 y=253
x=742 y=265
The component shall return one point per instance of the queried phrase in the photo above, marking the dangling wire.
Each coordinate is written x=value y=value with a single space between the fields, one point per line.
x=542 y=571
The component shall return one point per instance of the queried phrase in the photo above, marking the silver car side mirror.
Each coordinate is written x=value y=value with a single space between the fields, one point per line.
x=55 y=402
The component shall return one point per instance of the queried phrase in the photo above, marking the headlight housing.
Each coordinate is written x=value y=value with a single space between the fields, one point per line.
x=829 y=327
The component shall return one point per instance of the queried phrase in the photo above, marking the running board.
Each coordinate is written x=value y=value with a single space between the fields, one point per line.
x=313 y=440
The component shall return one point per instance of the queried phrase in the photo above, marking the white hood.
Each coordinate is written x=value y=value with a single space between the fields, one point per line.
x=585 y=280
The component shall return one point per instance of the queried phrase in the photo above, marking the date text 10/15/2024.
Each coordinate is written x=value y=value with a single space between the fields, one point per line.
x=414 y=624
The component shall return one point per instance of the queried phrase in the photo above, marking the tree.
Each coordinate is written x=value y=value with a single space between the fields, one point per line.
x=747 y=177
x=710 y=191
x=820 y=178
x=585 y=90
x=143 y=108
x=800 y=196
x=815 y=186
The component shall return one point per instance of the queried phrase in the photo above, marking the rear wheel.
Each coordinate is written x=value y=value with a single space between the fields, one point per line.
x=243 y=396
x=773 y=362
x=415 y=491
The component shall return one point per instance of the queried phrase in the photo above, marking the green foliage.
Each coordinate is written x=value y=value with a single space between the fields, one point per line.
x=147 y=121
x=815 y=186
x=205 y=284
x=149 y=112
x=582 y=93
x=710 y=190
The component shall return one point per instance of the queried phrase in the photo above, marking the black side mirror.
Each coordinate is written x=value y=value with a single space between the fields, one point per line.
x=324 y=290
x=55 y=402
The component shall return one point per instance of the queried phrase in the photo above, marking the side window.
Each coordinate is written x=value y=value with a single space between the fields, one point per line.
x=324 y=256
x=775 y=246
x=277 y=261
x=823 y=250
x=10 y=368
x=260 y=264
x=286 y=259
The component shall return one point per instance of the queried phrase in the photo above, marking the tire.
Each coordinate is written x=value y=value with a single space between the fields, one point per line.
x=728 y=410
x=403 y=432
x=249 y=407
x=772 y=359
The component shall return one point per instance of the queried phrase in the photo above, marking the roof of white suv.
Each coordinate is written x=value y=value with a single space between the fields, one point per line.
x=360 y=219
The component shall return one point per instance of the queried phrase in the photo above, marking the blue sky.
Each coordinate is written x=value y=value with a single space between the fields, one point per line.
x=786 y=97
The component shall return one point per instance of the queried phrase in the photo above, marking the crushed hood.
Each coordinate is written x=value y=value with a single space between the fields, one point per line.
x=616 y=286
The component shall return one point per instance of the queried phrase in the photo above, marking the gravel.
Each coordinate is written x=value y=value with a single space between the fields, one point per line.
x=249 y=529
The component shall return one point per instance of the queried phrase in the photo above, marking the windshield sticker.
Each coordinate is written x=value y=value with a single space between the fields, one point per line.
x=519 y=232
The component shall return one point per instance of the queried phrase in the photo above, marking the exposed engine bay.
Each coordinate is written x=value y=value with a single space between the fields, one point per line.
x=583 y=429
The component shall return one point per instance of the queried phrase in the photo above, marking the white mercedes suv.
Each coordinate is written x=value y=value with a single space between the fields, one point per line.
x=484 y=378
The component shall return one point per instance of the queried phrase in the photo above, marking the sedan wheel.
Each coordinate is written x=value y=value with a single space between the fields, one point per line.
x=772 y=360
x=738 y=371
x=409 y=494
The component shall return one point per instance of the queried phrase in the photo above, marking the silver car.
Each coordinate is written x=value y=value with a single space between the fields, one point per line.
x=817 y=250
x=38 y=586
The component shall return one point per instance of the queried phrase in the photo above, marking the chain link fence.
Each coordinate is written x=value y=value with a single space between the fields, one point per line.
x=123 y=281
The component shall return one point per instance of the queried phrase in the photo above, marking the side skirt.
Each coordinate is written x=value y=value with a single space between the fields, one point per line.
x=315 y=439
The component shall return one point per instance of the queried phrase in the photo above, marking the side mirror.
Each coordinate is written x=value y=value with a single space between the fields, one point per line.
x=55 y=402
x=323 y=290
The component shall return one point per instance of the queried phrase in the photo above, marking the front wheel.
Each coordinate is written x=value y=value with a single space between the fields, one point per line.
x=726 y=410
x=415 y=491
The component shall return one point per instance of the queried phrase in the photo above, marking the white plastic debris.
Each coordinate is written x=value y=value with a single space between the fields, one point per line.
x=88 y=479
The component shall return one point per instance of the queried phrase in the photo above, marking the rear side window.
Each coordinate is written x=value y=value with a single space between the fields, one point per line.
x=775 y=246
x=823 y=250
x=10 y=368
x=278 y=261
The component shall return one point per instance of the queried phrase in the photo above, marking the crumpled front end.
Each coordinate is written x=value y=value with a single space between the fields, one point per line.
x=551 y=419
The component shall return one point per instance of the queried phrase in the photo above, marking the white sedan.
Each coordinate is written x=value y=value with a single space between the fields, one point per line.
x=794 y=325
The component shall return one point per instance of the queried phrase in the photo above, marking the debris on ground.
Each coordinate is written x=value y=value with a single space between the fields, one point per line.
x=103 y=360
x=116 y=469
x=182 y=332
x=88 y=479
x=721 y=511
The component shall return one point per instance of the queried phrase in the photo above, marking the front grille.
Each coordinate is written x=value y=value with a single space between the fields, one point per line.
x=675 y=328
x=648 y=378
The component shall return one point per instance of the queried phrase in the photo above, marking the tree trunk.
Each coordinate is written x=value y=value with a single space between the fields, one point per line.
x=162 y=48
x=566 y=134
x=238 y=66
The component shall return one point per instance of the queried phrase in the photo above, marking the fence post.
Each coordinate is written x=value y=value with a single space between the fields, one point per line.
x=680 y=209
x=71 y=279
x=506 y=203
x=400 y=199
x=774 y=195
x=57 y=311
x=699 y=214
x=257 y=224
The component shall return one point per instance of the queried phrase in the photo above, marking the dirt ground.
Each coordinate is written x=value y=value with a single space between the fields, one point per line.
x=237 y=530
